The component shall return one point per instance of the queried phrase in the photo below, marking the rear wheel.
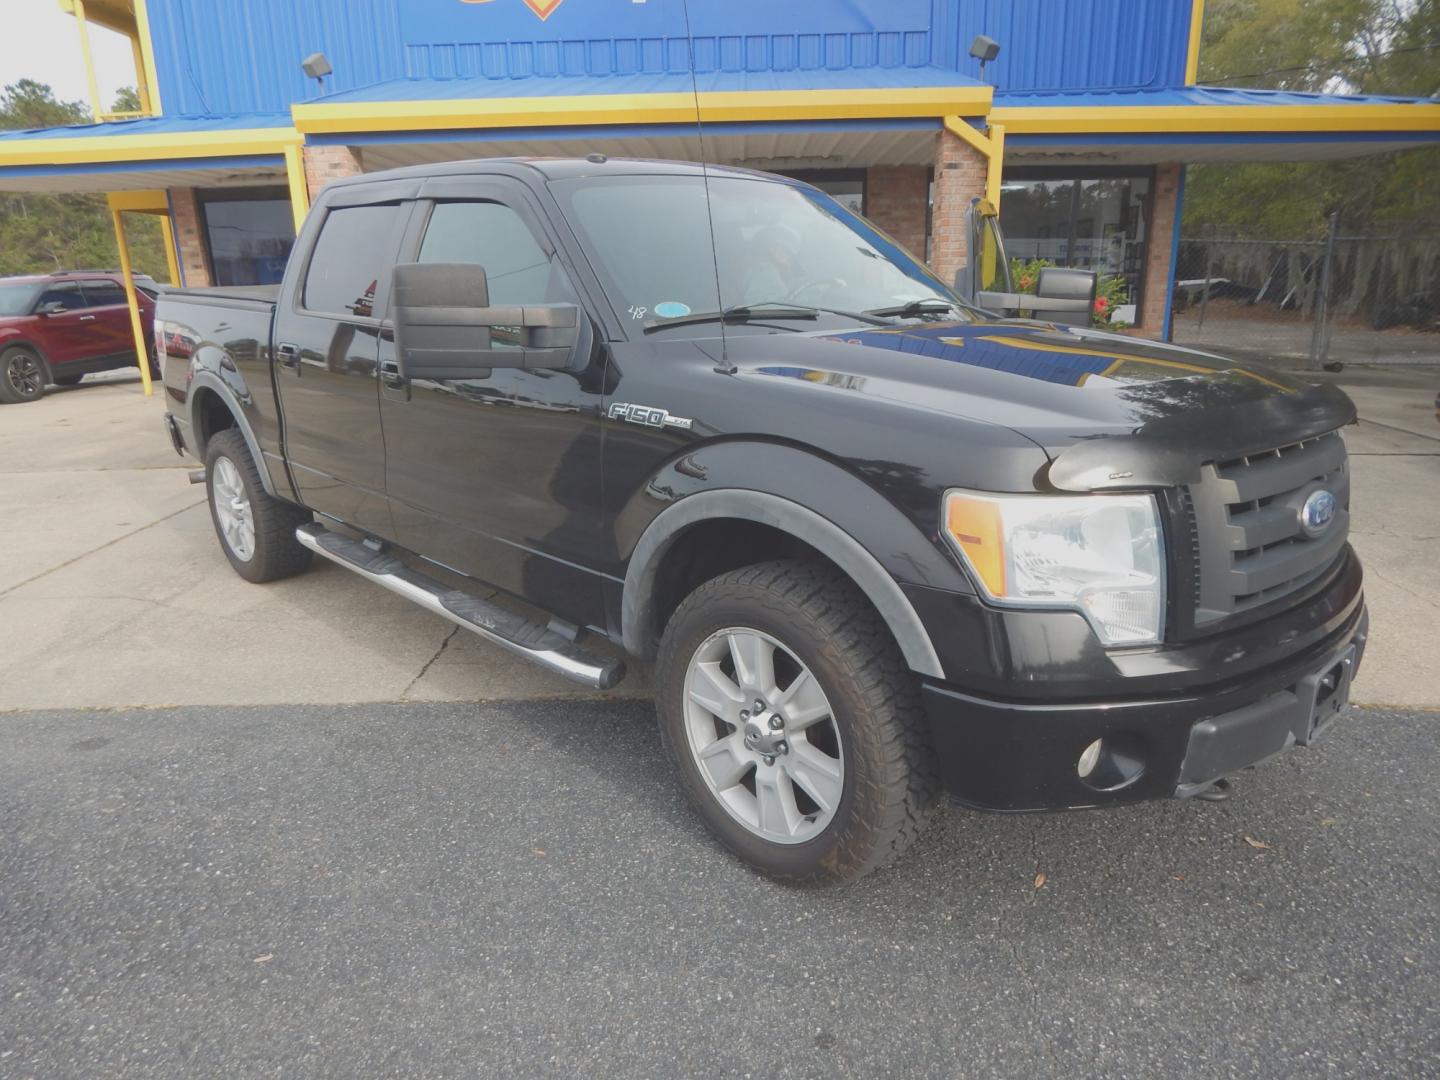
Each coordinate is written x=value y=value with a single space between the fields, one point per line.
x=256 y=530
x=794 y=722
x=22 y=376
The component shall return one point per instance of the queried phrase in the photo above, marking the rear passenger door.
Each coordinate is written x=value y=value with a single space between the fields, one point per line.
x=498 y=475
x=326 y=351
x=105 y=300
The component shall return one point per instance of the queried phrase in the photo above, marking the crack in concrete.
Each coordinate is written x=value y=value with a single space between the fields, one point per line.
x=404 y=694
x=86 y=554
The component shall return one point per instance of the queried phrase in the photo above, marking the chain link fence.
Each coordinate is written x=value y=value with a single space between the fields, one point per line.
x=1343 y=299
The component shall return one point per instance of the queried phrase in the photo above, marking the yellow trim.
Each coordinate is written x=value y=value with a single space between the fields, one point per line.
x=991 y=145
x=299 y=190
x=142 y=202
x=94 y=149
x=668 y=108
x=142 y=347
x=1081 y=119
x=1192 y=48
x=147 y=56
x=83 y=28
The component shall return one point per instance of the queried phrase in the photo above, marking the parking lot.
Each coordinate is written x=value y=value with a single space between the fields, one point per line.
x=310 y=829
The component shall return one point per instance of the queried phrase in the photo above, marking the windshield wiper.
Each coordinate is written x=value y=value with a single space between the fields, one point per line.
x=930 y=305
x=736 y=313
x=768 y=309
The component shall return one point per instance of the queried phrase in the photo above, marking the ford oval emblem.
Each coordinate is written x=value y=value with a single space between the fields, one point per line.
x=1317 y=513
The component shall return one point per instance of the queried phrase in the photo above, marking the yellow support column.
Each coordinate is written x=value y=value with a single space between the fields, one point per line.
x=995 y=165
x=299 y=192
x=96 y=105
x=167 y=235
x=142 y=347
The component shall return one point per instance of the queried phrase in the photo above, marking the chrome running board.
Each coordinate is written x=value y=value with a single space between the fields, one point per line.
x=532 y=640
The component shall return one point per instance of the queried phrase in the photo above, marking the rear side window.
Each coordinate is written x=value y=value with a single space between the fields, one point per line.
x=65 y=293
x=103 y=293
x=355 y=249
x=491 y=234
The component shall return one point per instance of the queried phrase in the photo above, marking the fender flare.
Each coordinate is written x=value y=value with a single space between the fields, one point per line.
x=638 y=601
x=207 y=380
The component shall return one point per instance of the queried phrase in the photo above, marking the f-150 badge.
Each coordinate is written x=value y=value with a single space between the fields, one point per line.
x=648 y=416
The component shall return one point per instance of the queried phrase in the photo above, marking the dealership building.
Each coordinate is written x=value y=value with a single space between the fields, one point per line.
x=1079 y=129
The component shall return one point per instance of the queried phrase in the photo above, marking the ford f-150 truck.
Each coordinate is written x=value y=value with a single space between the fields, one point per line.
x=882 y=545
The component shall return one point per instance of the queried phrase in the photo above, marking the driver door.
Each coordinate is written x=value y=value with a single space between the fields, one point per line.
x=497 y=475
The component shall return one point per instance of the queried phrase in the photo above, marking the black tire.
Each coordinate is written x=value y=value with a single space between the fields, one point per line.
x=68 y=380
x=22 y=375
x=890 y=786
x=277 y=554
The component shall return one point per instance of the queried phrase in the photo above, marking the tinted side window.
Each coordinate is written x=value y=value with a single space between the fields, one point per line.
x=495 y=236
x=355 y=249
x=103 y=293
x=67 y=293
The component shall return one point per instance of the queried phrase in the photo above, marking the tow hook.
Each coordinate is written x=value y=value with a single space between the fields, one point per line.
x=1216 y=792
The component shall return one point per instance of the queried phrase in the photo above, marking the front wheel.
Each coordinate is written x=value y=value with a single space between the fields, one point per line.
x=22 y=376
x=794 y=722
x=256 y=530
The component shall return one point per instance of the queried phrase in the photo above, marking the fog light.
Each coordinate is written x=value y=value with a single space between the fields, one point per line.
x=1088 y=757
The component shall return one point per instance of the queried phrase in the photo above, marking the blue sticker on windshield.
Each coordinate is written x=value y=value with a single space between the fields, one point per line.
x=671 y=309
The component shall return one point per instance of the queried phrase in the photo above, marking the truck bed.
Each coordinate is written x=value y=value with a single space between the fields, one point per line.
x=247 y=295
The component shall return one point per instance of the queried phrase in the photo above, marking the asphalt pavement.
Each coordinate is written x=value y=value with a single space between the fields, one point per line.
x=516 y=889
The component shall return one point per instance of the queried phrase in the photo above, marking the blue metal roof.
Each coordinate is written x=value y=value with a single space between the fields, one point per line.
x=155 y=125
x=1188 y=95
x=431 y=89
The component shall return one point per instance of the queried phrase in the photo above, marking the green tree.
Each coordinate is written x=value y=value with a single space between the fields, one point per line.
x=1335 y=46
x=41 y=232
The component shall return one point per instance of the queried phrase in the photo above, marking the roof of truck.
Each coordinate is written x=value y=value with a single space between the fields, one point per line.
x=557 y=168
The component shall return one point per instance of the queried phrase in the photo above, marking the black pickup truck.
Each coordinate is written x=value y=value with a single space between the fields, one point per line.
x=881 y=544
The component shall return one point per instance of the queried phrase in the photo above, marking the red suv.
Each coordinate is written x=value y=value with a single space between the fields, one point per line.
x=57 y=328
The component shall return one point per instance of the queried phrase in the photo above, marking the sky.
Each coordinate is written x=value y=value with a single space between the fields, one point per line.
x=41 y=43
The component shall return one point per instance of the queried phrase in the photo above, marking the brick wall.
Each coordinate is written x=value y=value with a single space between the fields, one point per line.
x=959 y=177
x=326 y=163
x=1159 y=232
x=897 y=198
x=185 y=219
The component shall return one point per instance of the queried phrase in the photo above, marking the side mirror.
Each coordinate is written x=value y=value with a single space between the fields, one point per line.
x=1063 y=283
x=445 y=327
x=51 y=307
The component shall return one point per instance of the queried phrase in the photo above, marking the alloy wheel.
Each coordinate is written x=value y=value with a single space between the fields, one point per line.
x=232 y=509
x=763 y=735
x=24 y=374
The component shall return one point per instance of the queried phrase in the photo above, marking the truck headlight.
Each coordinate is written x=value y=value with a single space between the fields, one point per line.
x=1098 y=554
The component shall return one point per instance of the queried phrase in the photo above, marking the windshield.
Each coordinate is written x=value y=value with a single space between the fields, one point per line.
x=775 y=243
x=16 y=299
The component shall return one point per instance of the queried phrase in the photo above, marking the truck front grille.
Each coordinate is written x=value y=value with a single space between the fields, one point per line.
x=1249 y=545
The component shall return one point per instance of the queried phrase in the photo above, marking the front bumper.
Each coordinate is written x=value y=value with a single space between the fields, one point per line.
x=1021 y=756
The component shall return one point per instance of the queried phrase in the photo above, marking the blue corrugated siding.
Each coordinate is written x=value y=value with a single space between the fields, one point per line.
x=221 y=56
x=1068 y=44
x=218 y=56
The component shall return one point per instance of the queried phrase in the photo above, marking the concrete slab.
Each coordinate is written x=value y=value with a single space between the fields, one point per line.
x=113 y=592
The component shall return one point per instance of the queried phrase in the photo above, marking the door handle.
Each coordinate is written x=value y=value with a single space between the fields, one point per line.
x=390 y=374
x=288 y=353
x=87 y=318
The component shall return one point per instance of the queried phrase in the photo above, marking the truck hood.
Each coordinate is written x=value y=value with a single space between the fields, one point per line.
x=1109 y=411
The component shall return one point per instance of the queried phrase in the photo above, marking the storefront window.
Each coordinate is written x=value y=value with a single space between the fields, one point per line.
x=249 y=233
x=1091 y=220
